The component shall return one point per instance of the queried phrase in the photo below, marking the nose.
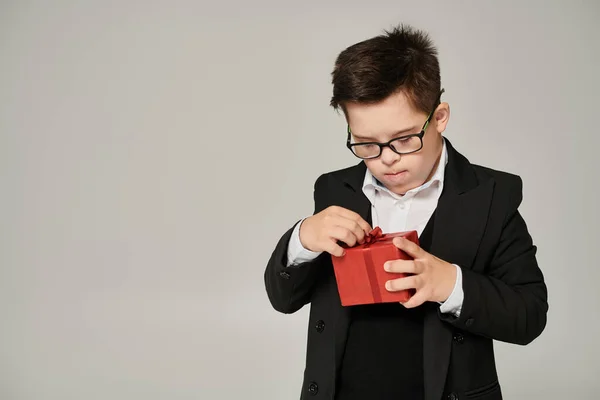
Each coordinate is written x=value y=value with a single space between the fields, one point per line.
x=388 y=157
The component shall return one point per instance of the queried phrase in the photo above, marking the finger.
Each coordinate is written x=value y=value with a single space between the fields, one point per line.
x=349 y=214
x=396 y=285
x=364 y=225
x=410 y=248
x=343 y=234
x=334 y=249
x=352 y=226
x=416 y=300
x=401 y=266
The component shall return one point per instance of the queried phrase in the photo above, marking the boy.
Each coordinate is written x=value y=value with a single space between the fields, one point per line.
x=474 y=270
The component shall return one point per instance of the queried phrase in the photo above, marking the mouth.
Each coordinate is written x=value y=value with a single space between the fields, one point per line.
x=396 y=173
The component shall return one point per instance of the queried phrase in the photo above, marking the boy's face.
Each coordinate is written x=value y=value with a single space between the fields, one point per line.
x=396 y=117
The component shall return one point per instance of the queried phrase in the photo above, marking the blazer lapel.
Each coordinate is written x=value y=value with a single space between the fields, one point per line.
x=461 y=216
x=355 y=199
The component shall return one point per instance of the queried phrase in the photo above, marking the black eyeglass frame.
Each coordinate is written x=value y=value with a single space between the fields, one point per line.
x=388 y=144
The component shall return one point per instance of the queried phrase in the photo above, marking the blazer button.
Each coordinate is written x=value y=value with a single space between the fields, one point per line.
x=284 y=274
x=452 y=396
x=458 y=338
x=313 y=388
x=320 y=326
x=469 y=322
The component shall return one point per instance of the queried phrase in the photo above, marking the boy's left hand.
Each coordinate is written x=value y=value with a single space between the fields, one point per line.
x=433 y=278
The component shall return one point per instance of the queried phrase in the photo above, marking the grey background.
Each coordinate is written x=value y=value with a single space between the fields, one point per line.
x=152 y=153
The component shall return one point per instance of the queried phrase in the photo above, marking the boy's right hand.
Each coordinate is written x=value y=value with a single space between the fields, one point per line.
x=320 y=232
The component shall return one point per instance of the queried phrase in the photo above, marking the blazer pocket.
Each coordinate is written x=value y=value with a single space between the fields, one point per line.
x=483 y=390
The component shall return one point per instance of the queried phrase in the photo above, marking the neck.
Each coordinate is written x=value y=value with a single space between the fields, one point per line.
x=437 y=160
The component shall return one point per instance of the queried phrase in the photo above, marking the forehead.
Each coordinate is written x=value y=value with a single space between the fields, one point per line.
x=393 y=114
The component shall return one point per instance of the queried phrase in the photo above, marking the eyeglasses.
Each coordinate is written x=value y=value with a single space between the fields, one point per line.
x=402 y=145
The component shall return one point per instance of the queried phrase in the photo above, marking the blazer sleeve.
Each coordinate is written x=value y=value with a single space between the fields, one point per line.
x=510 y=302
x=290 y=288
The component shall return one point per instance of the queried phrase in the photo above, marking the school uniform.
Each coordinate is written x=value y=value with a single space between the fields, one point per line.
x=466 y=215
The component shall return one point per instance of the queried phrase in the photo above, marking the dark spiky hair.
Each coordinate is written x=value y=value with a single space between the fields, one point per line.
x=400 y=59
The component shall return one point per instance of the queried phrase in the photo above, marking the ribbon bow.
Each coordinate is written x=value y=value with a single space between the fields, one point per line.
x=374 y=235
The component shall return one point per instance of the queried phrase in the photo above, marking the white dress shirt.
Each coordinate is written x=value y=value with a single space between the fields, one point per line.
x=396 y=213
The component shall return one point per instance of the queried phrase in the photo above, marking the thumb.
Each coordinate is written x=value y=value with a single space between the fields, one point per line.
x=410 y=248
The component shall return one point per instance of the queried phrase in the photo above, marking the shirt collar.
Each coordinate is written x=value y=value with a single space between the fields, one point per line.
x=371 y=184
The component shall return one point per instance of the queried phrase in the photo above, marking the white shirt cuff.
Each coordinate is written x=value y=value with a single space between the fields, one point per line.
x=296 y=253
x=453 y=305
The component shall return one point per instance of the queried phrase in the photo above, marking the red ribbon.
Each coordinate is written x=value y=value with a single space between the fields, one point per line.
x=373 y=236
x=370 y=238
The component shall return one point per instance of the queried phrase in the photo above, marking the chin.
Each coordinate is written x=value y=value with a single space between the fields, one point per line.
x=400 y=186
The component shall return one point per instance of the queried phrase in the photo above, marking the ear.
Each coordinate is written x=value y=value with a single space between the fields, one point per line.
x=441 y=117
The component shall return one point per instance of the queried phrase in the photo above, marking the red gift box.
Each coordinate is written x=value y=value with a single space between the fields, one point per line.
x=360 y=275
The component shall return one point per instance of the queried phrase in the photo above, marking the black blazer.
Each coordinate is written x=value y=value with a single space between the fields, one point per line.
x=478 y=226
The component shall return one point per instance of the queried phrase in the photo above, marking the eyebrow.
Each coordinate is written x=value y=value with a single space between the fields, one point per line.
x=412 y=129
